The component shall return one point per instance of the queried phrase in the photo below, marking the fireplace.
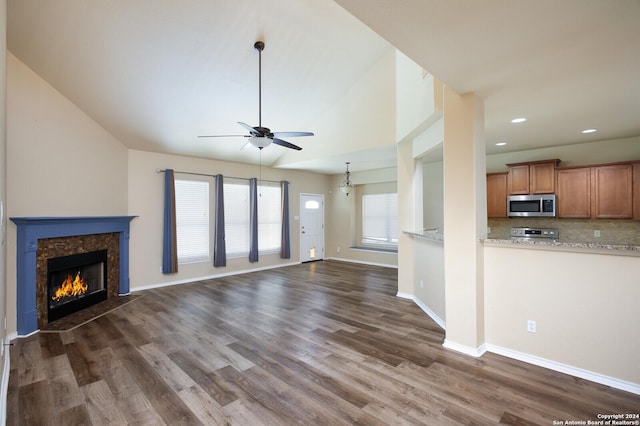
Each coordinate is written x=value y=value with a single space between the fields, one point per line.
x=75 y=282
x=42 y=238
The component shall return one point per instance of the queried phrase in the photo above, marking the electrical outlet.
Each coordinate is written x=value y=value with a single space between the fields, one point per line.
x=338 y=249
x=596 y=233
x=421 y=284
x=531 y=326
x=488 y=229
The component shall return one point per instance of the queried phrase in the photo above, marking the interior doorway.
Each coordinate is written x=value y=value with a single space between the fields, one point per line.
x=311 y=227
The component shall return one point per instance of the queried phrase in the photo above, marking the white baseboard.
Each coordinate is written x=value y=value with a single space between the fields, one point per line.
x=4 y=385
x=209 y=277
x=424 y=308
x=566 y=369
x=467 y=350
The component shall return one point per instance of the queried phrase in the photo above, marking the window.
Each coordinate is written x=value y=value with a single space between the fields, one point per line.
x=236 y=218
x=192 y=220
x=380 y=219
x=269 y=217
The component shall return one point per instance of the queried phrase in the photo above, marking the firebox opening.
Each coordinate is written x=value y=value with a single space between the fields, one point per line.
x=75 y=282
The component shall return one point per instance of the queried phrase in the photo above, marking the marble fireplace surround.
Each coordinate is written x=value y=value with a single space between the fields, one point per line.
x=32 y=229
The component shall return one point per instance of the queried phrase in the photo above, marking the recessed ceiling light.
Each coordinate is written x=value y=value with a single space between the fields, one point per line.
x=589 y=130
x=501 y=144
x=519 y=120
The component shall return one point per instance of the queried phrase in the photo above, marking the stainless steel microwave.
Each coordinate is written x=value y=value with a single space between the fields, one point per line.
x=539 y=205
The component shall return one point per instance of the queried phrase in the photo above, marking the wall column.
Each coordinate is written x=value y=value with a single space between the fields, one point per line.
x=406 y=217
x=465 y=221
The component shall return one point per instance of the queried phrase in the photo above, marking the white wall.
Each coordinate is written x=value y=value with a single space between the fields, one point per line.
x=607 y=151
x=362 y=119
x=414 y=95
x=433 y=198
x=585 y=307
x=146 y=188
x=59 y=162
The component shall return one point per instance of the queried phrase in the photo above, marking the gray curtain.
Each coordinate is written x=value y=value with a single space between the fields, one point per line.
x=219 y=245
x=253 y=220
x=169 y=237
x=285 y=243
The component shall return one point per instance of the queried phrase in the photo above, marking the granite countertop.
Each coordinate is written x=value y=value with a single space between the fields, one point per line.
x=599 y=247
x=427 y=235
x=602 y=247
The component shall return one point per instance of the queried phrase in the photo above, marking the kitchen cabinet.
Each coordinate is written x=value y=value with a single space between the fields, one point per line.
x=538 y=177
x=597 y=192
x=497 y=195
x=573 y=193
x=636 y=191
x=612 y=191
x=518 y=179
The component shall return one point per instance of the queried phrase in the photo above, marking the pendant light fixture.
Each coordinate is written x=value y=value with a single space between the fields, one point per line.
x=346 y=186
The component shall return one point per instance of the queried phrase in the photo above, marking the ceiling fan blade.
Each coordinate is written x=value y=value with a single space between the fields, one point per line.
x=286 y=144
x=222 y=136
x=249 y=128
x=291 y=134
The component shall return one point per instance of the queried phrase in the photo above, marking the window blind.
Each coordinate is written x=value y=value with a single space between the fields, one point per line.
x=236 y=218
x=380 y=219
x=192 y=220
x=269 y=217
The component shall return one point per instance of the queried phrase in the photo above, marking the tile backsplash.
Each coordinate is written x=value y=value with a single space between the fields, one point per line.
x=614 y=231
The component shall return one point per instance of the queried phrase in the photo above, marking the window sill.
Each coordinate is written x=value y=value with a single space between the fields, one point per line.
x=376 y=249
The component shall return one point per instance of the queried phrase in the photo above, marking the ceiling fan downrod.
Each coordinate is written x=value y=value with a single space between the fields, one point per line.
x=259 y=46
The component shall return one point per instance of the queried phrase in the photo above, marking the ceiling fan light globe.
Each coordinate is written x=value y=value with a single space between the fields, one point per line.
x=260 y=142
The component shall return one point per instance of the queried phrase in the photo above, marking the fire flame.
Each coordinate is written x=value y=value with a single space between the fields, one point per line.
x=70 y=287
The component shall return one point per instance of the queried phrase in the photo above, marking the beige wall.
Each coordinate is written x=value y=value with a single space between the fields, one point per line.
x=428 y=272
x=59 y=162
x=146 y=202
x=3 y=197
x=584 y=305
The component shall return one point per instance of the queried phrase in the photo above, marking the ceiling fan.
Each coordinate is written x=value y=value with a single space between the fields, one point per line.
x=259 y=136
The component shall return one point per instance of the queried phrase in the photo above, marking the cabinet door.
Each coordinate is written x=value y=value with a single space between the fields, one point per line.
x=542 y=178
x=573 y=194
x=636 y=191
x=518 y=179
x=612 y=191
x=497 y=195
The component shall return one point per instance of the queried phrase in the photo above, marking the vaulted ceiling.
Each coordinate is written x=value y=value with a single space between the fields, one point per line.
x=158 y=73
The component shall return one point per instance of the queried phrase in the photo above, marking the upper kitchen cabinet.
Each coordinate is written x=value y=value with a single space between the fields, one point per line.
x=573 y=194
x=497 y=195
x=598 y=192
x=537 y=177
x=612 y=191
x=636 y=191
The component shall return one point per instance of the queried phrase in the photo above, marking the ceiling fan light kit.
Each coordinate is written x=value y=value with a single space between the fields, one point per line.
x=259 y=136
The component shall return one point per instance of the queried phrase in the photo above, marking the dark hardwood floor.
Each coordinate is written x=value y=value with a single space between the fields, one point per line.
x=323 y=343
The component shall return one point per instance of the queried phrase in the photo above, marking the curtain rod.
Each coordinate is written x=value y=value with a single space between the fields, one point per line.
x=204 y=174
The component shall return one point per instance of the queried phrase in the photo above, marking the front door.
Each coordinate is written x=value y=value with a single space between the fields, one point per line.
x=311 y=227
